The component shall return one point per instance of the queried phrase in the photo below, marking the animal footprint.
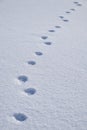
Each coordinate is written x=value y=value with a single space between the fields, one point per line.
x=79 y=4
x=23 y=78
x=75 y=2
x=38 y=53
x=61 y=17
x=48 y=43
x=20 y=117
x=30 y=91
x=57 y=26
x=51 y=30
x=72 y=9
x=67 y=12
x=65 y=20
x=44 y=37
x=31 y=62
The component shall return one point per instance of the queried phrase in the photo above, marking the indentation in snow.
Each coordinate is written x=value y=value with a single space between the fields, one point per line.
x=30 y=91
x=38 y=53
x=48 y=43
x=72 y=9
x=23 y=78
x=20 y=117
x=61 y=17
x=44 y=37
x=31 y=62
x=57 y=26
x=67 y=12
x=66 y=20
x=51 y=30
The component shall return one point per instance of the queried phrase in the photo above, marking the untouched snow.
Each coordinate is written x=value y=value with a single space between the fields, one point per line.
x=43 y=65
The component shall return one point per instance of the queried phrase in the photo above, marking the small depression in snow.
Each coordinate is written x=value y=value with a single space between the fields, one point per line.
x=51 y=30
x=72 y=9
x=66 y=20
x=30 y=91
x=44 y=37
x=38 y=53
x=79 y=4
x=20 y=117
x=61 y=17
x=67 y=12
x=31 y=62
x=48 y=43
x=57 y=26
x=23 y=78
x=75 y=2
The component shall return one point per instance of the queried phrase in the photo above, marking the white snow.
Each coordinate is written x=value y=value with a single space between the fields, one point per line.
x=43 y=81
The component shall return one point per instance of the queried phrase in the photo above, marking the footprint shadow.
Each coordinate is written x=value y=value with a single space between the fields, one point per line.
x=79 y=4
x=44 y=37
x=72 y=9
x=48 y=43
x=57 y=26
x=61 y=17
x=23 y=78
x=51 y=30
x=38 y=53
x=65 y=20
x=67 y=12
x=31 y=62
x=30 y=91
x=20 y=117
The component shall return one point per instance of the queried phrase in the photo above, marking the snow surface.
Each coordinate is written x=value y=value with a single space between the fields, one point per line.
x=43 y=65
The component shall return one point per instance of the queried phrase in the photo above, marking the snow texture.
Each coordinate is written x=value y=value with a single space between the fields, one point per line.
x=43 y=65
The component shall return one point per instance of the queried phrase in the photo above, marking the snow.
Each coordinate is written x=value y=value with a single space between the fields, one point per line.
x=43 y=65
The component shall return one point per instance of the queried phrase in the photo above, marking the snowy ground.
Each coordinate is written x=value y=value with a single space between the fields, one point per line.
x=43 y=65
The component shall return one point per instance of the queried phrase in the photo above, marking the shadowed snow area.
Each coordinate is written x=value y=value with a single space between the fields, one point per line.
x=43 y=65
